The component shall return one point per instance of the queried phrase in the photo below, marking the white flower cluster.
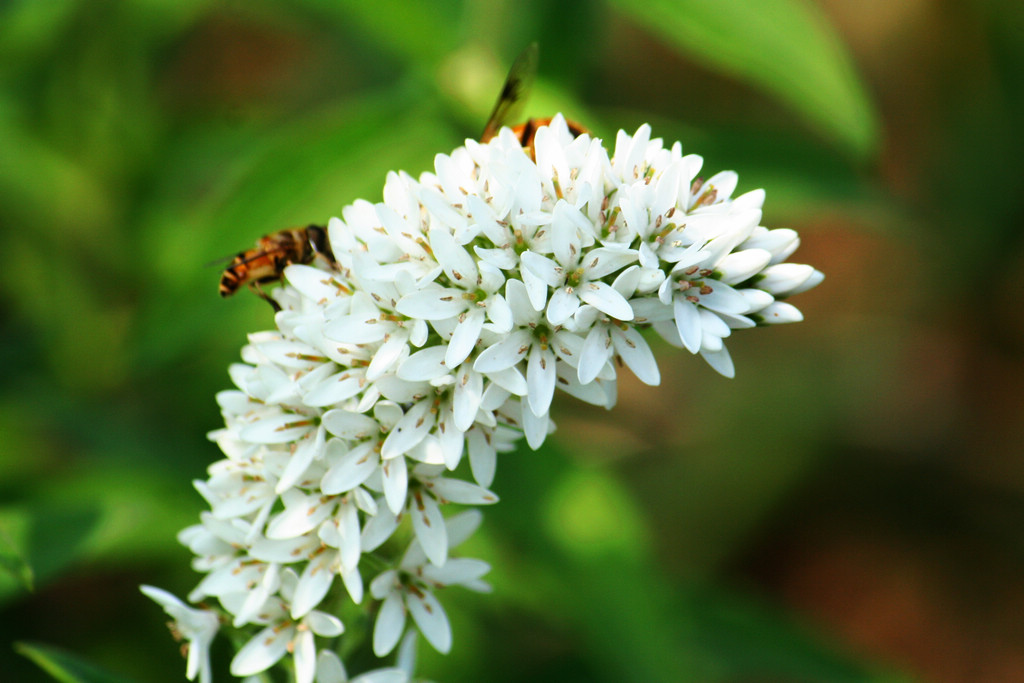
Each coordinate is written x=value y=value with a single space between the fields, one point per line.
x=454 y=310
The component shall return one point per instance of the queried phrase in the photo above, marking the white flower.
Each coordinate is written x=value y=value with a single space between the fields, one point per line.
x=576 y=275
x=197 y=626
x=454 y=309
x=409 y=589
x=471 y=298
x=284 y=634
x=533 y=341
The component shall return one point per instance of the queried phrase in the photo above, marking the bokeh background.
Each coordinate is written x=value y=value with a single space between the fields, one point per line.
x=849 y=508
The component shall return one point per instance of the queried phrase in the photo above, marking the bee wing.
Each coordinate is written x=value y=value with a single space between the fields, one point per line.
x=241 y=258
x=220 y=262
x=513 y=93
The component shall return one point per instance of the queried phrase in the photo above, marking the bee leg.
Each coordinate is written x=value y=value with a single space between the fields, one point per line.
x=255 y=287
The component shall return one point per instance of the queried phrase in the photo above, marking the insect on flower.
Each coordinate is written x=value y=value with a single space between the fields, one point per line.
x=265 y=263
x=513 y=94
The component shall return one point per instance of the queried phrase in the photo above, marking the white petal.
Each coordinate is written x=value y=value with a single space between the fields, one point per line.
x=462 y=526
x=434 y=303
x=432 y=621
x=388 y=675
x=463 y=492
x=396 y=483
x=712 y=324
x=723 y=183
x=378 y=529
x=351 y=470
x=425 y=365
x=262 y=651
x=458 y=265
x=347 y=521
x=637 y=355
x=780 y=312
x=409 y=431
x=483 y=460
x=451 y=440
x=301 y=459
x=606 y=260
x=720 y=361
x=757 y=299
x=389 y=353
x=603 y=297
x=363 y=327
x=509 y=380
x=257 y=597
x=536 y=289
x=281 y=428
x=314 y=284
x=325 y=625
x=499 y=313
x=301 y=515
x=814 y=280
x=549 y=272
x=742 y=265
x=384 y=584
x=540 y=378
x=688 y=324
x=535 y=428
x=469 y=389
x=783 y=278
x=505 y=354
x=405 y=660
x=464 y=338
x=329 y=668
x=499 y=258
x=398 y=390
x=334 y=389
x=458 y=570
x=565 y=237
x=353 y=583
x=305 y=657
x=594 y=355
x=563 y=305
x=389 y=626
x=313 y=585
x=724 y=298
x=349 y=425
x=428 y=524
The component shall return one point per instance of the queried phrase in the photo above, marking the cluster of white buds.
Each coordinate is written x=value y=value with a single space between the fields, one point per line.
x=456 y=307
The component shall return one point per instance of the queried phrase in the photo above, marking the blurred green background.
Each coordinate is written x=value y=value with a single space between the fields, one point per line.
x=849 y=508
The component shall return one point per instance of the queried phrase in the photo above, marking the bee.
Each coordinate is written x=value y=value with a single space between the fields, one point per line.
x=513 y=94
x=265 y=263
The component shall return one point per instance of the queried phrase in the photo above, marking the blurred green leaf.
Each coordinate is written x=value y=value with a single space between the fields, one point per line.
x=65 y=667
x=58 y=536
x=32 y=173
x=785 y=47
x=28 y=29
x=46 y=537
x=12 y=560
x=419 y=30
